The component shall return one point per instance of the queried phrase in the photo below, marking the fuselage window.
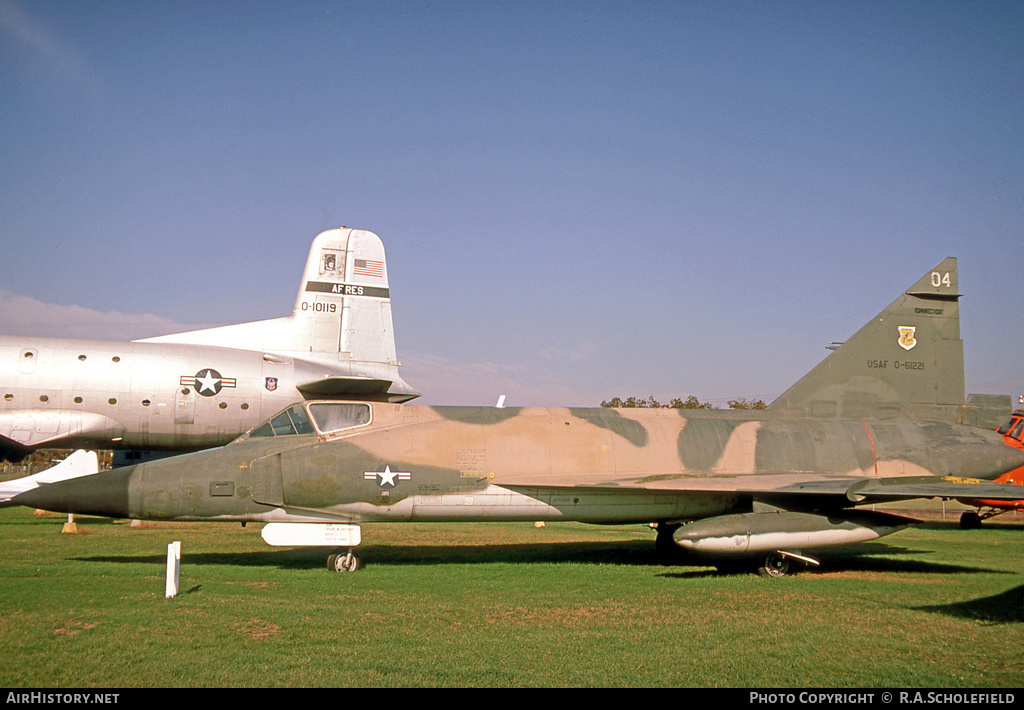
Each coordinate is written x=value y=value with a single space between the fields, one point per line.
x=335 y=416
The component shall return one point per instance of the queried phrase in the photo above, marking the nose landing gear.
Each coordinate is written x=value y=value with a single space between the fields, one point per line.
x=344 y=562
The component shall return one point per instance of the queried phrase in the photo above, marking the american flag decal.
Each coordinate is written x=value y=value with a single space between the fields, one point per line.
x=368 y=267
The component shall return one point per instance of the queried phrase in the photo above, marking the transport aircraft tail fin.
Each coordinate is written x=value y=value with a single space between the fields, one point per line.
x=341 y=318
x=908 y=361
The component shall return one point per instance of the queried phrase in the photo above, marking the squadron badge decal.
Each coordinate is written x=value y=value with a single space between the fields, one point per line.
x=907 y=336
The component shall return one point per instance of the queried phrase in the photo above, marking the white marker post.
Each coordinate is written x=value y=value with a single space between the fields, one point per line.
x=173 y=566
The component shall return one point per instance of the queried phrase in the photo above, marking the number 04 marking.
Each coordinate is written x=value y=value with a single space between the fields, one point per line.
x=941 y=279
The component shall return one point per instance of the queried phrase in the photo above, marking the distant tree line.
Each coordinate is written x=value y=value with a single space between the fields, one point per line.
x=690 y=402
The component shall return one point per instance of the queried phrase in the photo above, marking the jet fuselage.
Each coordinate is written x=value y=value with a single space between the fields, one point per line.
x=383 y=461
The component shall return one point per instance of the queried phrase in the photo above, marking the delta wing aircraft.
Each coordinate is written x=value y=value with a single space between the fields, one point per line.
x=882 y=418
x=203 y=388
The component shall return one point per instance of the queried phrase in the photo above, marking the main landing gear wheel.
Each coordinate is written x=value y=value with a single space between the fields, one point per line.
x=665 y=547
x=970 y=521
x=775 y=565
x=347 y=562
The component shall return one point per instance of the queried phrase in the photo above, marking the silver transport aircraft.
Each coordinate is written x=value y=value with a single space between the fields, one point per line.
x=200 y=389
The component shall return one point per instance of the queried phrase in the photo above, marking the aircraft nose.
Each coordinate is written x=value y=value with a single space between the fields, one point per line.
x=103 y=494
x=1009 y=460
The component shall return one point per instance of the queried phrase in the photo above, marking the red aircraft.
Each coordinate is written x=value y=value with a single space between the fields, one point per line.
x=1013 y=435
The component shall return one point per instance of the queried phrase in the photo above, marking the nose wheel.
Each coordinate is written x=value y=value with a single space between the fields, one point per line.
x=344 y=562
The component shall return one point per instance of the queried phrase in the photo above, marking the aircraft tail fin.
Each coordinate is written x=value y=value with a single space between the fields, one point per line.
x=907 y=361
x=344 y=303
x=342 y=316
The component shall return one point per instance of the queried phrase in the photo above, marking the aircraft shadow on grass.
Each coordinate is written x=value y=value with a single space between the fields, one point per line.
x=618 y=553
x=1008 y=524
x=866 y=558
x=1004 y=608
x=873 y=558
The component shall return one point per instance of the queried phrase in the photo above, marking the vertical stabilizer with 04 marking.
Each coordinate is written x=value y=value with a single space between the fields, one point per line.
x=907 y=361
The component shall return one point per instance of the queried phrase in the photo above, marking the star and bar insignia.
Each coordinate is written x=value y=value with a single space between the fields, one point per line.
x=207 y=382
x=387 y=476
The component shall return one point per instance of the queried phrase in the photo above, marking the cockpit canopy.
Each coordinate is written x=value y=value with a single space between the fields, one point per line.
x=1015 y=427
x=314 y=418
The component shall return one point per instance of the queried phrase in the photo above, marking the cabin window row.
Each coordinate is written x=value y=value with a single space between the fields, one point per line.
x=44 y=398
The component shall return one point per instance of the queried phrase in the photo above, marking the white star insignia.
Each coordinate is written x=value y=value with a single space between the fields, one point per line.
x=207 y=382
x=388 y=477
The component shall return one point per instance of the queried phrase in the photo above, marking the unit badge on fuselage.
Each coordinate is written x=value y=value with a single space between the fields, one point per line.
x=271 y=384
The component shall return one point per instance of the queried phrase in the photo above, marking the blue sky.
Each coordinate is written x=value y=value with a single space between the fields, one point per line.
x=579 y=200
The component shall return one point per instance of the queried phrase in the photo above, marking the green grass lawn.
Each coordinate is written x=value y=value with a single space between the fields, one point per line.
x=493 y=604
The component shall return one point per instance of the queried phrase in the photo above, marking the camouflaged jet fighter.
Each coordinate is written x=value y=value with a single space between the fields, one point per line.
x=204 y=388
x=882 y=418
